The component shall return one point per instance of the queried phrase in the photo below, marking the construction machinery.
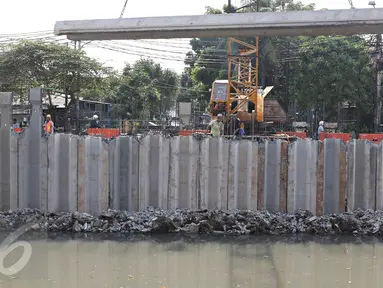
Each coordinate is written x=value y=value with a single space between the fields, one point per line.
x=240 y=99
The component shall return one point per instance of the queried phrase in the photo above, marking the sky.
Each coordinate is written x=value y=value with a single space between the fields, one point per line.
x=24 y=16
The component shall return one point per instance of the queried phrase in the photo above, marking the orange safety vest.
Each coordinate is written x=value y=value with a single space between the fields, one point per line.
x=48 y=127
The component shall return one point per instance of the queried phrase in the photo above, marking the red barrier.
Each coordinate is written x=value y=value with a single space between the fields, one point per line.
x=376 y=138
x=18 y=130
x=104 y=132
x=302 y=135
x=343 y=136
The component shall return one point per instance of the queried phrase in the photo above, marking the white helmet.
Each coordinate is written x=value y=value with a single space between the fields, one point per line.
x=95 y=117
x=321 y=123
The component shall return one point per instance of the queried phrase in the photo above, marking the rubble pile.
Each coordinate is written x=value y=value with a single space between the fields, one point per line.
x=198 y=221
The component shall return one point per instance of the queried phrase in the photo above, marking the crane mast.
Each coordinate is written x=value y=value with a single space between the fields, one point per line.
x=243 y=78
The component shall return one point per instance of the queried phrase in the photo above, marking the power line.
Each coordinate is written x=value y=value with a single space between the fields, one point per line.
x=123 y=9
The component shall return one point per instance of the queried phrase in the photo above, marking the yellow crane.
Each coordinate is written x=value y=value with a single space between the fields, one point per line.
x=240 y=94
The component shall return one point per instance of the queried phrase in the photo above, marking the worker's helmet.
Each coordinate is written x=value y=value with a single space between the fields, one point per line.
x=219 y=116
x=49 y=116
x=95 y=117
x=321 y=123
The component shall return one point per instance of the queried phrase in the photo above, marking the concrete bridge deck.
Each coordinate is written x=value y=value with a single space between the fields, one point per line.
x=292 y=23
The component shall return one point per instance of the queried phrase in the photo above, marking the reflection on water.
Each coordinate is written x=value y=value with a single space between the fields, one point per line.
x=208 y=264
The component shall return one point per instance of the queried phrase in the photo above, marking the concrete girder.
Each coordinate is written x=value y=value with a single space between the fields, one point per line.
x=291 y=23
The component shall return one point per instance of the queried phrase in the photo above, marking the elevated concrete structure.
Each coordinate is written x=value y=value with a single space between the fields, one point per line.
x=292 y=23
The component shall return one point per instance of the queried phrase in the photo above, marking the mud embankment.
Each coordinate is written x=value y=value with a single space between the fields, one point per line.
x=197 y=222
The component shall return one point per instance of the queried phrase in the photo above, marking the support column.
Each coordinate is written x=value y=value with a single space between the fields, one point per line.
x=33 y=179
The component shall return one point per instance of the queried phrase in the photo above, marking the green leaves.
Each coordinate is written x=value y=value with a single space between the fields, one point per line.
x=145 y=91
x=333 y=70
x=37 y=63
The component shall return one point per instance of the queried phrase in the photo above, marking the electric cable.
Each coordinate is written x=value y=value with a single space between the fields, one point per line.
x=123 y=9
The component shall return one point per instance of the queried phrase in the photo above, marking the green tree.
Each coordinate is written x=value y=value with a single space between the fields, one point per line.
x=331 y=71
x=57 y=67
x=146 y=90
x=105 y=89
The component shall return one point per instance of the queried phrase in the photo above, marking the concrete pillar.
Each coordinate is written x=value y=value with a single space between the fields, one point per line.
x=33 y=154
x=8 y=193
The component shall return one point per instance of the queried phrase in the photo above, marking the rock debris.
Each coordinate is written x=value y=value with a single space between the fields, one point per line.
x=235 y=222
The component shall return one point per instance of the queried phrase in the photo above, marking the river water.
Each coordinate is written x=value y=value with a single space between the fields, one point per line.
x=204 y=263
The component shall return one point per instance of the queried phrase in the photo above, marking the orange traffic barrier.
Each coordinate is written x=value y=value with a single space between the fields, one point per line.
x=302 y=135
x=104 y=132
x=343 y=136
x=94 y=131
x=110 y=133
x=376 y=138
x=18 y=130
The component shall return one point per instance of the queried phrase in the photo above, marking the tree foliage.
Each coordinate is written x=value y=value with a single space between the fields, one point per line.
x=145 y=91
x=49 y=65
x=332 y=71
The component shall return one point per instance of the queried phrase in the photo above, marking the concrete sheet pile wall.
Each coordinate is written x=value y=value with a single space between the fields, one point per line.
x=184 y=173
x=154 y=172
x=361 y=175
x=213 y=173
x=124 y=173
x=69 y=173
x=92 y=175
x=303 y=172
x=62 y=173
x=243 y=171
x=332 y=168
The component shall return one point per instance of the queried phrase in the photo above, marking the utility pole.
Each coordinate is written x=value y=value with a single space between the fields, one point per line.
x=78 y=47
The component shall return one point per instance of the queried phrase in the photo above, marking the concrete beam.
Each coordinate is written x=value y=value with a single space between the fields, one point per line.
x=291 y=23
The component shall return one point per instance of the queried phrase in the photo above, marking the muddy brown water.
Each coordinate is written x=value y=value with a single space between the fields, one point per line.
x=204 y=263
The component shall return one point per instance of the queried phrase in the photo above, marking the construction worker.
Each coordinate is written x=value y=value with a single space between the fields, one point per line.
x=15 y=124
x=24 y=124
x=94 y=123
x=320 y=128
x=49 y=126
x=216 y=126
